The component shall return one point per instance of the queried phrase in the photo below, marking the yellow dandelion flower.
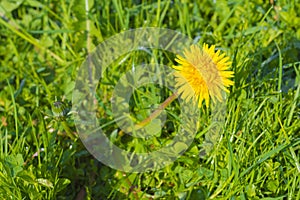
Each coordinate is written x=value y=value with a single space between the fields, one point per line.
x=202 y=74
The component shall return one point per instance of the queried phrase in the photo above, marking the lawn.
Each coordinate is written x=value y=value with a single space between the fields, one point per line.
x=76 y=74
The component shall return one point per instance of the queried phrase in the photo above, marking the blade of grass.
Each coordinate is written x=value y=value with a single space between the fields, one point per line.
x=293 y=107
x=279 y=78
x=290 y=148
x=221 y=187
x=120 y=13
x=15 y=110
x=264 y=157
x=23 y=34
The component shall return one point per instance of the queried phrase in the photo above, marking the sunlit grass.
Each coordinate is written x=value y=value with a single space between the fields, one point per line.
x=43 y=43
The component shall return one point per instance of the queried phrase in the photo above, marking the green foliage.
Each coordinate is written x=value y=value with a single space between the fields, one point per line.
x=43 y=43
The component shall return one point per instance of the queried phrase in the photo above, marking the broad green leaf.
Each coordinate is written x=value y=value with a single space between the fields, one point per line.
x=250 y=190
x=180 y=147
x=15 y=163
x=45 y=182
x=9 y=5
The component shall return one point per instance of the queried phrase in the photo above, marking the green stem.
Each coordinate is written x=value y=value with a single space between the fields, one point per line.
x=155 y=113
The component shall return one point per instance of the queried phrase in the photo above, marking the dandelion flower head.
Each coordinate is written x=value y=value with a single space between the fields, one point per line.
x=202 y=74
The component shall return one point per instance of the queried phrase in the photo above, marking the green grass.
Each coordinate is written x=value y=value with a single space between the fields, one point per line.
x=43 y=44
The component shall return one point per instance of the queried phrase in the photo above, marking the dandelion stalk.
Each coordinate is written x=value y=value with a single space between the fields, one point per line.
x=156 y=112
